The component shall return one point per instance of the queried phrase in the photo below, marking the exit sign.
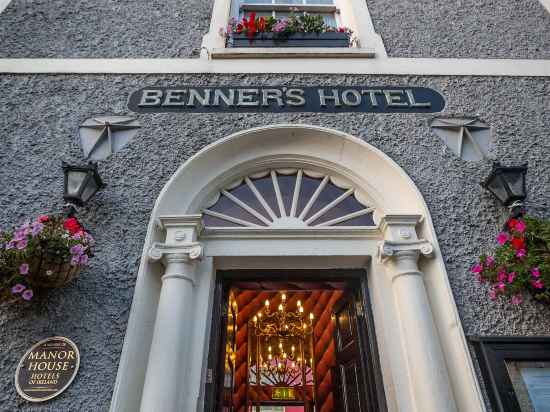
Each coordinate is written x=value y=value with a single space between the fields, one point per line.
x=283 y=394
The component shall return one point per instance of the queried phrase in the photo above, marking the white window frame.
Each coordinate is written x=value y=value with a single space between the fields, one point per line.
x=270 y=5
x=352 y=13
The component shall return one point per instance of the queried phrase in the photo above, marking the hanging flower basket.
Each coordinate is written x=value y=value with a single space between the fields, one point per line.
x=46 y=253
x=521 y=262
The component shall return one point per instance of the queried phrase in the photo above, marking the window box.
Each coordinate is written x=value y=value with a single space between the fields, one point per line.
x=325 y=39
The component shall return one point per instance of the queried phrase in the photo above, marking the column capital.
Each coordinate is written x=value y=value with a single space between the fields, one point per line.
x=180 y=245
x=413 y=248
x=183 y=252
x=401 y=239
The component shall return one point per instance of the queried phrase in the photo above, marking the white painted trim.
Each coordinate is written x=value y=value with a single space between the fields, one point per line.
x=546 y=4
x=319 y=149
x=291 y=53
x=4 y=5
x=396 y=66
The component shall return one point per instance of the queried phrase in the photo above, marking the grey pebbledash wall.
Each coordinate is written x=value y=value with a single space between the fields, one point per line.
x=507 y=29
x=103 y=28
x=173 y=28
x=39 y=118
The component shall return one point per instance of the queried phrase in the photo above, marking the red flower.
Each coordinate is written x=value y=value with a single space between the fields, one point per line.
x=512 y=224
x=72 y=225
x=250 y=25
x=261 y=24
x=43 y=218
x=518 y=243
x=240 y=28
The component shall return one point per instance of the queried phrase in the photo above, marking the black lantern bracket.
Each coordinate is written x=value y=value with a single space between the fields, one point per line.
x=81 y=183
x=507 y=185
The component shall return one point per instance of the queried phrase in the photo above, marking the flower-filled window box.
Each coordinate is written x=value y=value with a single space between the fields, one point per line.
x=305 y=30
x=326 y=39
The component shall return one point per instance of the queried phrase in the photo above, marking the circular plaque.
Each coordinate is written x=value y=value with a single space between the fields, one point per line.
x=47 y=369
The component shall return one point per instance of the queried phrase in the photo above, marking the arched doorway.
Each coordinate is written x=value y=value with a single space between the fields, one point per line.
x=425 y=363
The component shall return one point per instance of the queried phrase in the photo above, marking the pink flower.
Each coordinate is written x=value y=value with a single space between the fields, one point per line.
x=502 y=238
x=511 y=277
x=538 y=284
x=83 y=260
x=28 y=294
x=501 y=286
x=501 y=276
x=517 y=299
x=18 y=288
x=36 y=228
x=478 y=268
x=535 y=272
x=492 y=294
x=24 y=268
x=22 y=244
x=521 y=253
x=520 y=226
x=490 y=261
x=280 y=26
x=43 y=218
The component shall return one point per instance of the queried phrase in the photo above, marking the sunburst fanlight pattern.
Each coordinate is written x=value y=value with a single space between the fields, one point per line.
x=288 y=198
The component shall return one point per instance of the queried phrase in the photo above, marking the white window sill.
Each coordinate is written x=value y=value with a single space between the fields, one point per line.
x=290 y=52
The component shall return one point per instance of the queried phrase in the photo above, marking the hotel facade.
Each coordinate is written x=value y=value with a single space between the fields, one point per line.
x=290 y=217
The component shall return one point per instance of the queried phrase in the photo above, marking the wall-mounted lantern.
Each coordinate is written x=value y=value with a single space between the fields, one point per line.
x=81 y=183
x=507 y=184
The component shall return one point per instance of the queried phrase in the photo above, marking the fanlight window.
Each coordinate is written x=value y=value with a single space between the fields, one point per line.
x=288 y=198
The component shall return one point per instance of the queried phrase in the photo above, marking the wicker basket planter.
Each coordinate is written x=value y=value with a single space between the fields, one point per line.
x=51 y=272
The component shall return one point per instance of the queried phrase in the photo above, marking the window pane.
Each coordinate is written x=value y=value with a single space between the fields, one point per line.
x=531 y=381
x=228 y=207
x=246 y=204
x=329 y=193
x=329 y=19
x=265 y=187
x=258 y=13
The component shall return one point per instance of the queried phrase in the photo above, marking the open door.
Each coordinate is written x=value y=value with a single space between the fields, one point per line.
x=351 y=384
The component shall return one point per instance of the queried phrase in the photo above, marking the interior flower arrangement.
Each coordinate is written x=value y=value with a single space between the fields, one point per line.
x=46 y=253
x=520 y=263
x=303 y=30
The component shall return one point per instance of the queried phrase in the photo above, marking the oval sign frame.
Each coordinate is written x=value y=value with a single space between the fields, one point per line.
x=23 y=360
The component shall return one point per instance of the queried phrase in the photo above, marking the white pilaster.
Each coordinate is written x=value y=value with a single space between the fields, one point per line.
x=165 y=383
x=427 y=376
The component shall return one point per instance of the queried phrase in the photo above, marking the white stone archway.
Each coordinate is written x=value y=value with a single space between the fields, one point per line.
x=424 y=355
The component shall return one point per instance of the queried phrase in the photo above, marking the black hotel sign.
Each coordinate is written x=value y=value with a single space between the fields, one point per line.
x=342 y=99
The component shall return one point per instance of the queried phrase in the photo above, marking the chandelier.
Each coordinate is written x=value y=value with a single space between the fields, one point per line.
x=283 y=347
